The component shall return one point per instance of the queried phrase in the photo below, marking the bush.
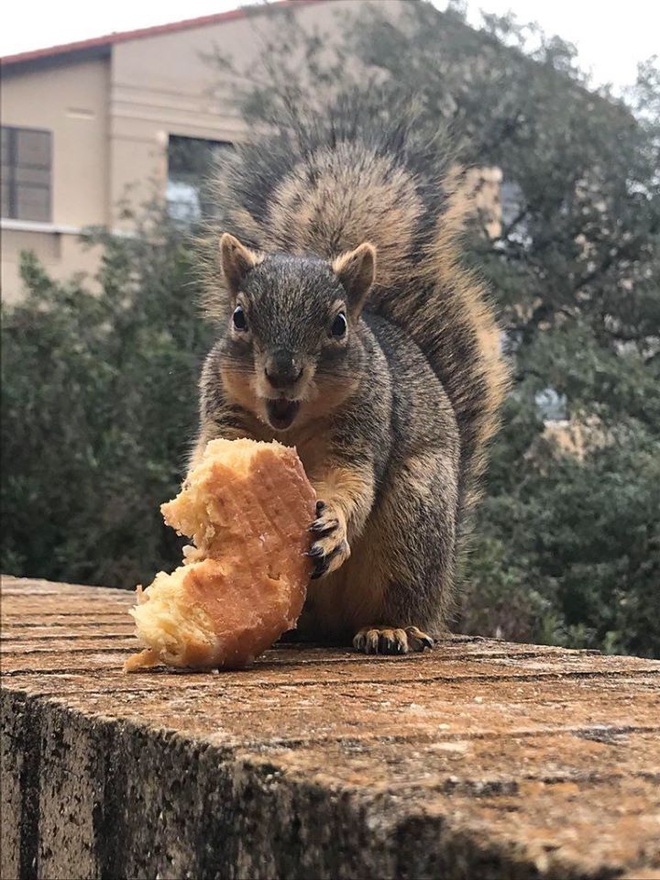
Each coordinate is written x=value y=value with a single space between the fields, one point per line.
x=98 y=410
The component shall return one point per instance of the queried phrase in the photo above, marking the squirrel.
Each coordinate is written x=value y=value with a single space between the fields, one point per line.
x=351 y=330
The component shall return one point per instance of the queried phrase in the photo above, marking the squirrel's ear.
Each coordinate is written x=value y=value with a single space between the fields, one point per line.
x=236 y=259
x=356 y=270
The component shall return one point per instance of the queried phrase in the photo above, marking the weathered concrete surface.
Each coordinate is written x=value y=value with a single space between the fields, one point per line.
x=478 y=760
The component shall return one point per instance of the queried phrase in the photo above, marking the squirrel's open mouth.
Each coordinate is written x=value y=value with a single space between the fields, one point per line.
x=282 y=412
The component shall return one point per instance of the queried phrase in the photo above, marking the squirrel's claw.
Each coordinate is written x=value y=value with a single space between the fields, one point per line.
x=322 y=527
x=419 y=639
x=390 y=640
x=326 y=562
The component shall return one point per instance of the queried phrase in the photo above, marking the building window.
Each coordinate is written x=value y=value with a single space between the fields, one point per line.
x=190 y=162
x=26 y=173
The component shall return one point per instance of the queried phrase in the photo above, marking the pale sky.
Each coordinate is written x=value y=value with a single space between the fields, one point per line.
x=611 y=37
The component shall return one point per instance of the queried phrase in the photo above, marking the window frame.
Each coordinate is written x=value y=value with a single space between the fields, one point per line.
x=14 y=186
x=196 y=180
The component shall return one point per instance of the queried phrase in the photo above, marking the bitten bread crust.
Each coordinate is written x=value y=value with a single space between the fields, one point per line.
x=247 y=506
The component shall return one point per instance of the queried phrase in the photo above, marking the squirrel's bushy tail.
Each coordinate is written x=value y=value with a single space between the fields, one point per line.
x=323 y=185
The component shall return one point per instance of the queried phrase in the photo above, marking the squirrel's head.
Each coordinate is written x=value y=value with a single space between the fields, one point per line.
x=291 y=351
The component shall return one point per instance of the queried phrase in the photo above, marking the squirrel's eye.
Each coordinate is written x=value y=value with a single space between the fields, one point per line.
x=339 y=326
x=240 y=321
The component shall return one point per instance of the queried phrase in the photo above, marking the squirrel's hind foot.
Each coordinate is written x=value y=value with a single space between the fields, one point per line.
x=391 y=640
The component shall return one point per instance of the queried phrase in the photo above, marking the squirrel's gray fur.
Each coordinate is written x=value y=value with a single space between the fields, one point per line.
x=394 y=417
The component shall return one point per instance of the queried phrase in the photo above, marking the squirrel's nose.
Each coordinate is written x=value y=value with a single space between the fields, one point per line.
x=282 y=370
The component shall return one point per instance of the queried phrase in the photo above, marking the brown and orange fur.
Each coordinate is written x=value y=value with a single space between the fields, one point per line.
x=350 y=296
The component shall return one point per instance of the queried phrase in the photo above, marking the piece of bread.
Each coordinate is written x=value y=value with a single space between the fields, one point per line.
x=248 y=507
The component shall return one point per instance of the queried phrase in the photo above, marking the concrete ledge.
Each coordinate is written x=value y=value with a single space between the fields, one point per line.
x=481 y=759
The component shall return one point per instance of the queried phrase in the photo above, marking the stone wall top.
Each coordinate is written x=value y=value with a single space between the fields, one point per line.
x=477 y=759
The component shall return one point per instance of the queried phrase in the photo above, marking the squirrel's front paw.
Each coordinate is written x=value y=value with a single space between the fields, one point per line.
x=330 y=549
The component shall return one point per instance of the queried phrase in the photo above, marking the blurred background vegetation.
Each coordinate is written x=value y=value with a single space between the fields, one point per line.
x=99 y=388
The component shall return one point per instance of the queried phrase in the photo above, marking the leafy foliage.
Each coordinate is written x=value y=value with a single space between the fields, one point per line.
x=98 y=408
